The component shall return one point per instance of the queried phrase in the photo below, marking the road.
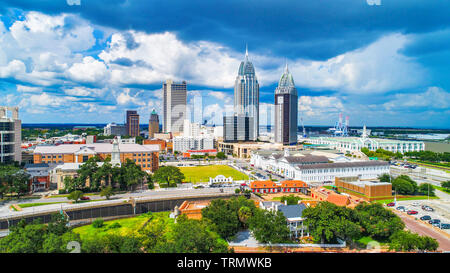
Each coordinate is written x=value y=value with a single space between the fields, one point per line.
x=425 y=230
x=422 y=174
x=5 y=211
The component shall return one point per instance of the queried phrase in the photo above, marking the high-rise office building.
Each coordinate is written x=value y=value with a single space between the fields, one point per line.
x=10 y=135
x=246 y=105
x=113 y=129
x=246 y=93
x=286 y=110
x=238 y=128
x=174 y=106
x=132 y=123
x=197 y=112
x=153 y=124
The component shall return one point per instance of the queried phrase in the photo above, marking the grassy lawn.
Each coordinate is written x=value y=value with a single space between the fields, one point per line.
x=421 y=197
x=127 y=225
x=203 y=173
x=441 y=189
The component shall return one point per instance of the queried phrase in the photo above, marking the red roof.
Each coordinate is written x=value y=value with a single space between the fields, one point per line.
x=293 y=184
x=338 y=199
x=263 y=184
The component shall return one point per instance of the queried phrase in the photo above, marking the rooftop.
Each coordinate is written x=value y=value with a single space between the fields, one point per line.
x=96 y=147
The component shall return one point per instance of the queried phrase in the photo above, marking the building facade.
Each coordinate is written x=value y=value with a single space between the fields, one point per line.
x=145 y=156
x=113 y=129
x=10 y=135
x=286 y=110
x=132 y=123
x=246 y=104
x=153 y=124
x=352 y=144
x=183 y=144
x=238 y=128
x=174 y=106
x=314 y=168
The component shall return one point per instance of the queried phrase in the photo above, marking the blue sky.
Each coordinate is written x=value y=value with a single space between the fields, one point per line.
x=383 y=63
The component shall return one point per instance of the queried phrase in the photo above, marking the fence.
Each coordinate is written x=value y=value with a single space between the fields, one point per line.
x=111 y=208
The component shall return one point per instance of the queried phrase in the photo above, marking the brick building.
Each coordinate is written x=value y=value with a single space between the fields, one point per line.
x=145 y=156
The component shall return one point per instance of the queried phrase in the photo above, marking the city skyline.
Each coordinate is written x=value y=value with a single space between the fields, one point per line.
x=67 y=64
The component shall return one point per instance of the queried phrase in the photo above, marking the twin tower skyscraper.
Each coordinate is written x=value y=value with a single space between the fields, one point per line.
x=244 y=124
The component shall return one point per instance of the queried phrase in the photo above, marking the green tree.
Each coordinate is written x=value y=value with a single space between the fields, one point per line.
x=75 y=196
x=133 y=174
x=408 y=241
x=269 y=227
x=88 y=170
x=378 y=222
x=426 y=189
x=221 y=155
x=290 y=200
x=446 y=185
x=193 y=236
x=169 y=175
x=244 y=214
x=403 y=184
x=107 y=192
x=73 y=184
x=385 y=178
x=224 y=218
x=327 y=222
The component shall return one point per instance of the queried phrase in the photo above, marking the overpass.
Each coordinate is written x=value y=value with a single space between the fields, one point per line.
x=113 y=208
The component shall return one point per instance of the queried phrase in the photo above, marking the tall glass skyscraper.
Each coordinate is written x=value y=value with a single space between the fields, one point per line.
x=246 y=95
x=286 y=110
x=174 y=106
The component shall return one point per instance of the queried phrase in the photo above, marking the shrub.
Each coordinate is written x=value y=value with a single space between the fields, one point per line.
x=115 y=225
x=62 y=191
x=98 y=223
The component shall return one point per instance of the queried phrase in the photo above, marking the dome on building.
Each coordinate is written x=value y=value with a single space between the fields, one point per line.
x=286 y=83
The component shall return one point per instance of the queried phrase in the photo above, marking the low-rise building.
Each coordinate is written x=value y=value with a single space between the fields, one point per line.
x=146 y=156
x=245 y=149
x=288 y=186
x=39 y=176
x=368 y=190
x=113 y=129
x=183 y=144
x=312 y=168
x=293 y=214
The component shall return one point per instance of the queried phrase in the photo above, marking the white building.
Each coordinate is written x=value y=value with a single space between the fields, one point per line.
x=317 y=168
x=10 y=135
x=183 y=144
x=352 y=144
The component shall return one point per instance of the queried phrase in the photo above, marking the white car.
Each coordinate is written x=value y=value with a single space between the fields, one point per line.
x=416 y=204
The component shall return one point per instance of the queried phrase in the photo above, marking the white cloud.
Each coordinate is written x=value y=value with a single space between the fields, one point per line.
x=28 y=89
x=433 y=97
x=89 y=71
x=124 y=98
x=376 y=68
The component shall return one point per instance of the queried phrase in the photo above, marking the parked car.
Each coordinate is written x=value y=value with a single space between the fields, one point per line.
x=411 y=212
x=425 y=218
x=400 y=208
x=415 y=204
x=434 y=221
x=392 y=204
x=427 y=208
x=445 y=226
x=85 y=198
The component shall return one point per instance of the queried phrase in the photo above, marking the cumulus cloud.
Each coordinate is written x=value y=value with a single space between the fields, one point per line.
x=88 y=71
x=434 y=97
x=377 y=68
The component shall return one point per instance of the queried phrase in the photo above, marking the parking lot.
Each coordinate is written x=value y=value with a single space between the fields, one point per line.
x=440 y=212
